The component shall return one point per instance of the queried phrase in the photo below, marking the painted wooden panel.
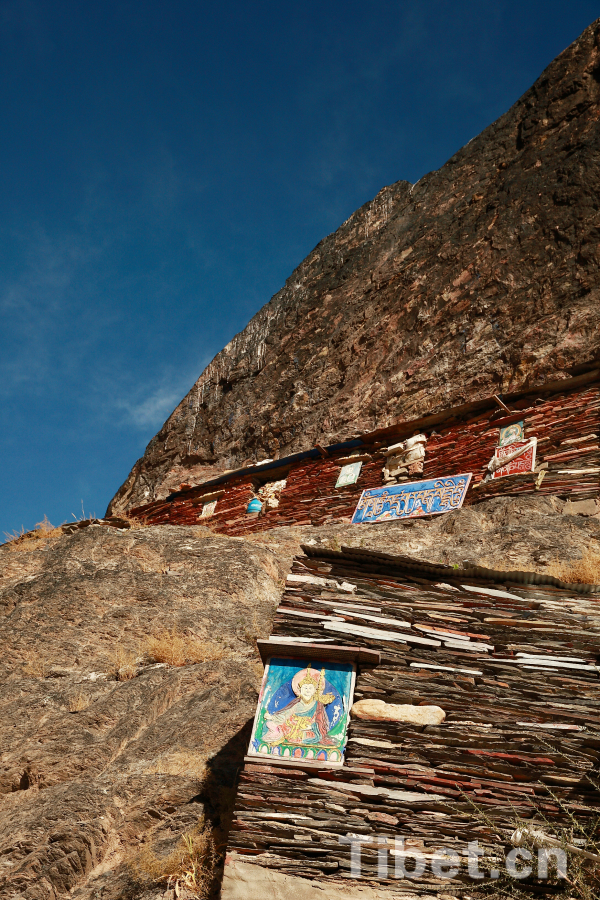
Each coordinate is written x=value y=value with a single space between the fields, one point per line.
x=349 y=474
x=417 y=498
x=510 y=434
x=303 y=711
x=523 y=463
x=208 y=509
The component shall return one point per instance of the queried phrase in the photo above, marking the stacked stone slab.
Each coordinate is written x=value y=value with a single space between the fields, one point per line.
x=513 y=667
x=564 y=419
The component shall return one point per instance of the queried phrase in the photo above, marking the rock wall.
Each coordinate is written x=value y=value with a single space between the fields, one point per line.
x=105 y=753
x=565 y=424
x=481 y=278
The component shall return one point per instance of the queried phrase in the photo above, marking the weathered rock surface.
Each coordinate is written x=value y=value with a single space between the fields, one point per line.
x=247 y=881
x=92 y=769
x=379 y=711
x=481 y=278
x=532 y=533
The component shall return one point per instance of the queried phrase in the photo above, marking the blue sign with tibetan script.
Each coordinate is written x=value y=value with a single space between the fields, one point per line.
x=411 y=500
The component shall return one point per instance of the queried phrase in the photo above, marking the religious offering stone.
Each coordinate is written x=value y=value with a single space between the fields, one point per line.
x=208 y=509
x=404 y=459
x=512 y=459
x=270 y=492
x=510 y=434
x=254 y=508
x=380 y=711
x=348 y=474
x=417 y=498
x=302 y=711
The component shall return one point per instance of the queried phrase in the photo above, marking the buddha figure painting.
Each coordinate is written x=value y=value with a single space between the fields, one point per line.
x=303 y=711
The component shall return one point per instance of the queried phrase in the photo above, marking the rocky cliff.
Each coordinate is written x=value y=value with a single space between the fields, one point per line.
x=480 y=278
x=128 y=672
x=129 y=677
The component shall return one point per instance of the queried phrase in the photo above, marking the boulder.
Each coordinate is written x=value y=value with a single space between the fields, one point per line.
x=107 y=753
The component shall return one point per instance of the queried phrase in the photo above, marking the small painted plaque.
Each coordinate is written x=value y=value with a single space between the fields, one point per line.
x=303 y=711
x=349 y=474
x=411 y=500
x=208 y=509
x=525 y=462
x=510 y=434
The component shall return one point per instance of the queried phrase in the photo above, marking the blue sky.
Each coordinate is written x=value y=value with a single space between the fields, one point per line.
x=165 y=166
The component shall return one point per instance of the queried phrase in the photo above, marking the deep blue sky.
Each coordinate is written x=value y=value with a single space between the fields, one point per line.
x=165 y=166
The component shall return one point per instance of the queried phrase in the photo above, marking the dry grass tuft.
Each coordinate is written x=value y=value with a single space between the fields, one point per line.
x=124 y=664
x=578 y=838
x=333 y=542
x=177 y=649
x=196 y=864
x=189 y=867
x=581 y=571
x=78 y=703
x=134 y=523
x=187 y=763
x=203 y=533
x=169 y=646
x=149 y=560
x=28 y=540
x=35 y=665
x=262 y=537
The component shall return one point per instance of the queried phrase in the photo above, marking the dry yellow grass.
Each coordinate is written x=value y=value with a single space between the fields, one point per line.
x=148 y=559
x=203 y=533
x=581 y=571
x=187 y=763
x=124 y=664
x=190 y=866
x=27 y=540
x=259 y=671
x=79 y=702
x=197 y=862
x=262 y=537
x=333 y=542
x=35 y=665
x=134 y=523
x=577 y=838
x=176 y=649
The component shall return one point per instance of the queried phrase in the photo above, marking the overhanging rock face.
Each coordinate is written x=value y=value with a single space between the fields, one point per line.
x=481 y=278
x=514 y=667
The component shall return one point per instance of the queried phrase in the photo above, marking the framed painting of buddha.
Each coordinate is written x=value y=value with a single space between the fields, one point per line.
x=303 y=711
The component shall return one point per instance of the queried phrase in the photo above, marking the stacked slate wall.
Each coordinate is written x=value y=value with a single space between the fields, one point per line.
x=566 y=425
x=186 y=509
x=514 y=668
x=572 y=417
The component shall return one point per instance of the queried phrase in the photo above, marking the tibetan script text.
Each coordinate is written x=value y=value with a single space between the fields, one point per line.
x=418 y=498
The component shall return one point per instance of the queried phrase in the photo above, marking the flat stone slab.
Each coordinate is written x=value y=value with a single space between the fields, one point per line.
x=394 y=712
x=247 y=881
